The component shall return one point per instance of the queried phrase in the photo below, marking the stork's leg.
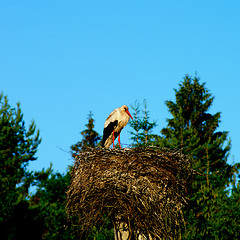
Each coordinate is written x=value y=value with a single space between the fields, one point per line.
x=113 y=138
x=119 y=140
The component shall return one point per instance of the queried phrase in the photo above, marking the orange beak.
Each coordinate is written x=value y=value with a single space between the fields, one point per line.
x=129 y=114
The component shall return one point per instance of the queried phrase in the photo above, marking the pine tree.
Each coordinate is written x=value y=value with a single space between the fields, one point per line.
x=90 y=137
x=194 y=130
x=18 y=146
x=142 y=127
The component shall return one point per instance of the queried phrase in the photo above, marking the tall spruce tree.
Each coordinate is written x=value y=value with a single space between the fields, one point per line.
x=18 y=146
x=90 y=137
x=194 y=130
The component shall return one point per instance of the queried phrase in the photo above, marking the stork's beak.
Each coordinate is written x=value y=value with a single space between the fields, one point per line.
x=129 y=114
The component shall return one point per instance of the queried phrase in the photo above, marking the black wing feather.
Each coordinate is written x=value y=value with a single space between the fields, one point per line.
x=107 y=131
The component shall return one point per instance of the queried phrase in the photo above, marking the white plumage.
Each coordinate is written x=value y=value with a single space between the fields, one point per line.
x=114 y=124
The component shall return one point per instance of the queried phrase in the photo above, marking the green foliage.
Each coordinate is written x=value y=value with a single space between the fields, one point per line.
x=214 y=207
x=90 y=137
x=49 y=202
x=105 y=232
x=194 y=130
x=18 y=146
x=142 y=127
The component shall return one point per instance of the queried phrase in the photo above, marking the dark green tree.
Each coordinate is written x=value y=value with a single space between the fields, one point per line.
x=49 y=203
x=141 y=125
x=194 y=130
x=18 y=146
x=90 y=137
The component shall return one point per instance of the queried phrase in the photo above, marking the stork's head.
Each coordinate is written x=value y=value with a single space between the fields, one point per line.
x=125 y=108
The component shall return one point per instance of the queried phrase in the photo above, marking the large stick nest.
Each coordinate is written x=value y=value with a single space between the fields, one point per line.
x=143 y=188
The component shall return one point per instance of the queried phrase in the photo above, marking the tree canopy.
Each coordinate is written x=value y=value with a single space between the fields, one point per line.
x=213 y=210
x=141 y=125
x=194 y=130
x=90 y=137
x=18 y=146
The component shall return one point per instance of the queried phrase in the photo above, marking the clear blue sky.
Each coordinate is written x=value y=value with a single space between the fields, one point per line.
x=62 y=59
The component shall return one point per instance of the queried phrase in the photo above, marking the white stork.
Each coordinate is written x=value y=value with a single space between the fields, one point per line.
x=114 y=124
